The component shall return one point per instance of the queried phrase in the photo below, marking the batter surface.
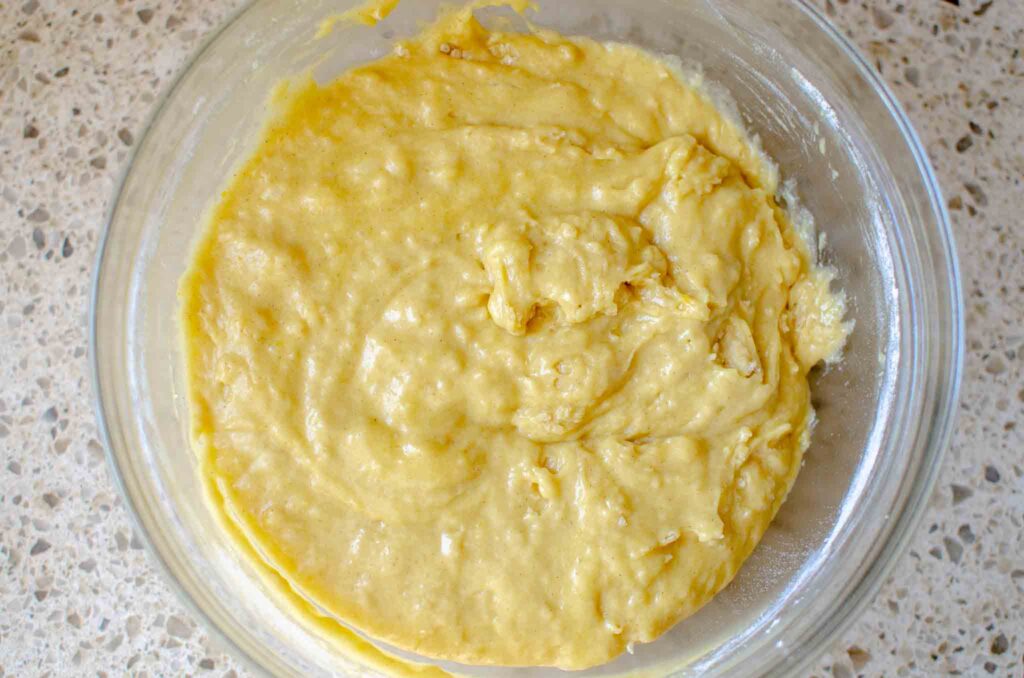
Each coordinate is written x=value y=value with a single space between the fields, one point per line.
x=497 y=347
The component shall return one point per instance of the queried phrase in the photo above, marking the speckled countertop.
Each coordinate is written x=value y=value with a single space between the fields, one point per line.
x=78 y=595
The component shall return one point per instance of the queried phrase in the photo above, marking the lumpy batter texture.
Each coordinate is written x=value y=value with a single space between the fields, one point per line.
x=497 y=347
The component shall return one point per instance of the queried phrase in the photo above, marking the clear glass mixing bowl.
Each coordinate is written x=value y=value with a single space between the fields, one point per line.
x=885 y=412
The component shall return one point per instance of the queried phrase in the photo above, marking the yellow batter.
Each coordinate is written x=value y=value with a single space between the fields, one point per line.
x=497 y=347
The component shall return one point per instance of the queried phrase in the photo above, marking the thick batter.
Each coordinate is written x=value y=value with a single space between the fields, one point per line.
x=497 y=347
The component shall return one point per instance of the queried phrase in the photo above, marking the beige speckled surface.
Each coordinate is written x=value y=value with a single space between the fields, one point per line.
x=78 y=595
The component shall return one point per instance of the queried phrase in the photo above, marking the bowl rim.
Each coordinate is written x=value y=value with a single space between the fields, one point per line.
x=114 y=470
x=938 y=431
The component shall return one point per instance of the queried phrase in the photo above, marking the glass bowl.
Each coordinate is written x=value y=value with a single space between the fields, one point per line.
x=885 y=412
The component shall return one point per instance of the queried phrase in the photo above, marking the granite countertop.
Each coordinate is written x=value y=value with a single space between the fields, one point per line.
x=78 y=594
